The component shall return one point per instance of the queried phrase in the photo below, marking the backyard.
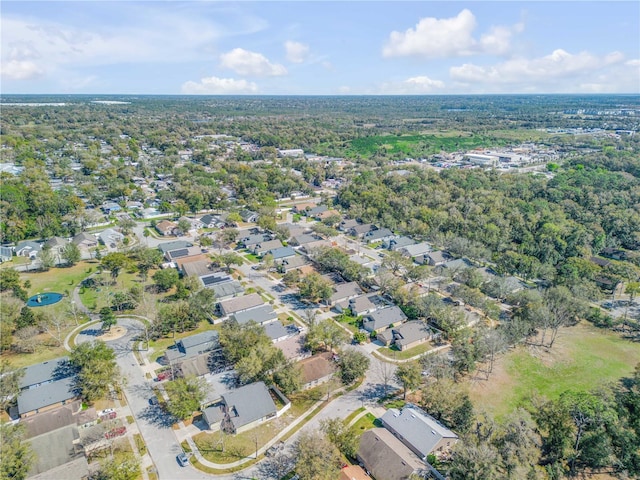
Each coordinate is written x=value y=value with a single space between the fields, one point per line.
x=583 y=358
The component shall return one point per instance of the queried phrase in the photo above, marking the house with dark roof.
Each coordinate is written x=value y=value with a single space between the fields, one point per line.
x=46 y=372
x=192 y=346
x=418 y=430
x=437 y=258
x=254 y=239
x=242 y=409
x=387 y=458
x=56 y=451
x=248 y=216
x=315 y=211
x=317 y=369
x=47 y=396
x=344 y=291
x=380 y=235
x=347 y=224
x=398 y=243
x=291 y=263
x=226 y=290
x=261 y=315
x=175 y=245
x=282 y=253
x=407 y=335
x=278 y=332
x=361 y=230
x=211 y=221
x=239 y=304
x=182 y=253
x=361 y=305
x=383 y=318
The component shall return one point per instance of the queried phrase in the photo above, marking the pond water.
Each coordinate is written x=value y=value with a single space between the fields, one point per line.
x=42 y=299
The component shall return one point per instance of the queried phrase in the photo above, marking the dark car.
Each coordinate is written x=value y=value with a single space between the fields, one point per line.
x=182 y=459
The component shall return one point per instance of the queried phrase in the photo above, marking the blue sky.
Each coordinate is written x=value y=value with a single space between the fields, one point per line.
x=325 y=48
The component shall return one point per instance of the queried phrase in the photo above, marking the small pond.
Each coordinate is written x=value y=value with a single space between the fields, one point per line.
x=42 y=299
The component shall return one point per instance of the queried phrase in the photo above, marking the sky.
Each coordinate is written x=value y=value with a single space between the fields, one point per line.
x=319 y=48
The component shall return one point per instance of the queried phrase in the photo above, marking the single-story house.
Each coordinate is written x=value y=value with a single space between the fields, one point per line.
x=262 y=315
x=614 y=253
x=6 y=253
x=166 y=228
x=248 y=216
x=344 y=291
x=278 y=332
x=85 y=240
x=362 y=304
x=317 y=369
x=110 y=207
x=198 y=268
x=315 y=211
x=303 y=207
x=311 y=246
x=175 y=245
x=58 y=451
x=134 y=205
x=47 y=396
x=407 y=335
x=347 y=224
x=398 y=243
x=361 y=230
x=416 y=251
x=327 y=214
x=291 y=263
x=418 y=430
x=194 y=223
x=457 y=265
x=242 y=409
x=211 y=221
x=173 y=255
x=254 y=239
x=262 y=248
x=387 y=458
x=282 y=253
x=151 y=212
x=437 y=258
x=304 y=239
x=239 y=304
x=380 y=235
x=28 y=248
x=110 y=237
x=56 y=244
x=383 y=318
x=225 y=290
x=193 y=346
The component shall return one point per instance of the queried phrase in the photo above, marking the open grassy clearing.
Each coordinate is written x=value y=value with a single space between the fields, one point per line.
x=59 y=280
x=583 y=358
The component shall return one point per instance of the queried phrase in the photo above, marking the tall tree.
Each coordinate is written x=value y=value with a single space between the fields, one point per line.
x=344 y=438
x=16 y=456
x=185 y=396
x=409 y=375
x=98 y=371
x=71 y=254
x=317 y=458
x=353 y=365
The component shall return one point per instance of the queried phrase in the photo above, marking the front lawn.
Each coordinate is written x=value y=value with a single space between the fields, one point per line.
x=394 y=353
x=352 y=323
x=366 y=422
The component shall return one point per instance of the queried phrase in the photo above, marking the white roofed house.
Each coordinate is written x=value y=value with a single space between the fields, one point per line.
x=28 y=248
x=110 y=238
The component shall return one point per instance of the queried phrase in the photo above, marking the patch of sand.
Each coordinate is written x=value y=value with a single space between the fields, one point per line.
x=113 y=334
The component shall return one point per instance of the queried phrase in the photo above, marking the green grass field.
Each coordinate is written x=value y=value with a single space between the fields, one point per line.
x=394 y=353
x=582 y=359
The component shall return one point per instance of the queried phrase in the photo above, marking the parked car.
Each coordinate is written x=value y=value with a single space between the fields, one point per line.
x=182 y=459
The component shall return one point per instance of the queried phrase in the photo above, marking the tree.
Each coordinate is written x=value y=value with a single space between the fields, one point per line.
x=317 y=458
x=125 y=467
x=518 y=444
x=9 y=384
x=353 y=365
x=224 y=238
x=97 y=367
x=127 y=225
x=276 y=466
x=325 y=335
x=288 y=378
x=184 y=225
x=315 y=288
x=449 y=403
x=409 y=375
x=114 y=262
x=473 y=462
x=55 y=324
x=395 y=262
x=108 y=318
x=185 y=396
x=16 y=456
x=339 y=434
x=631 y=289
x=166 y=278
x=71 y=254
x=227 y=259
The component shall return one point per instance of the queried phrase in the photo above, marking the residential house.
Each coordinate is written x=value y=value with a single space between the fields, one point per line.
x=85 y=241
x=175 y=245
x=45 y=386
x=303 y=207
x=262 y=315
x=110 y=207
x=254 y=239
x=362 y=304
x=416 y=251
x=239 y=304
x=242 y=409
x=601 y=262
x=383 y=318
x=151 y=212
x=456 y=266
x=225 y=290
x=56 y=245
x=398 y=243
x=387 y=458
x=6 y=253
x=407 y=335
x=437 y=258
x=291 y=263
x=327 y=214
x=194 y=223
x=58 y=455
x=278 y=332
x=212 y=221
x=110 y=238
x=317 y=369
x=282 y=253
x=262 y=248
x=166 y=228
x=194 y=351
x=295 y=229
x=614 y=253
x=347 y=224
x=304 y=239
x=315 y=211
x=182 y=253
x=361 y=230
x=380 y=235
x=199 y=268
x=344 y=291
x=418 y=430
x=248 y=216
x=28 y=248
x=310 y=247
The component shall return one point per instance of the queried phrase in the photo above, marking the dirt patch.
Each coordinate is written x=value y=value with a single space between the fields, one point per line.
x=113 y=334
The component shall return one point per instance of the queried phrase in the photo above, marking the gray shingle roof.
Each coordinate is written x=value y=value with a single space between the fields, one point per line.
x=176 y=245
x=46 y=371
x=386 y=457
x=249 y=403
x=275 y=330
x=282 y=252
x=226 y=289
x=47 y=394
x=345 y=290
x=378 y=234
x=419 y=431
x=410 y=332
x=383 y=318
x=55 y=449
x=238 y=304
x=262 y=314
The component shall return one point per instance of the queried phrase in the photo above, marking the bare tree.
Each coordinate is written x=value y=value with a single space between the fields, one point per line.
x=55 y=326
x=26 y=339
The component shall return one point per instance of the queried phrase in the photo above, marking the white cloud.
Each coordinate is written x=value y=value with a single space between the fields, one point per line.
x=449 y=37
x=218 y=86
x=558 y=64
x=20 y=70
x=411 y=86
x=296 y=52
x=633 y=63
x=245 y=62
